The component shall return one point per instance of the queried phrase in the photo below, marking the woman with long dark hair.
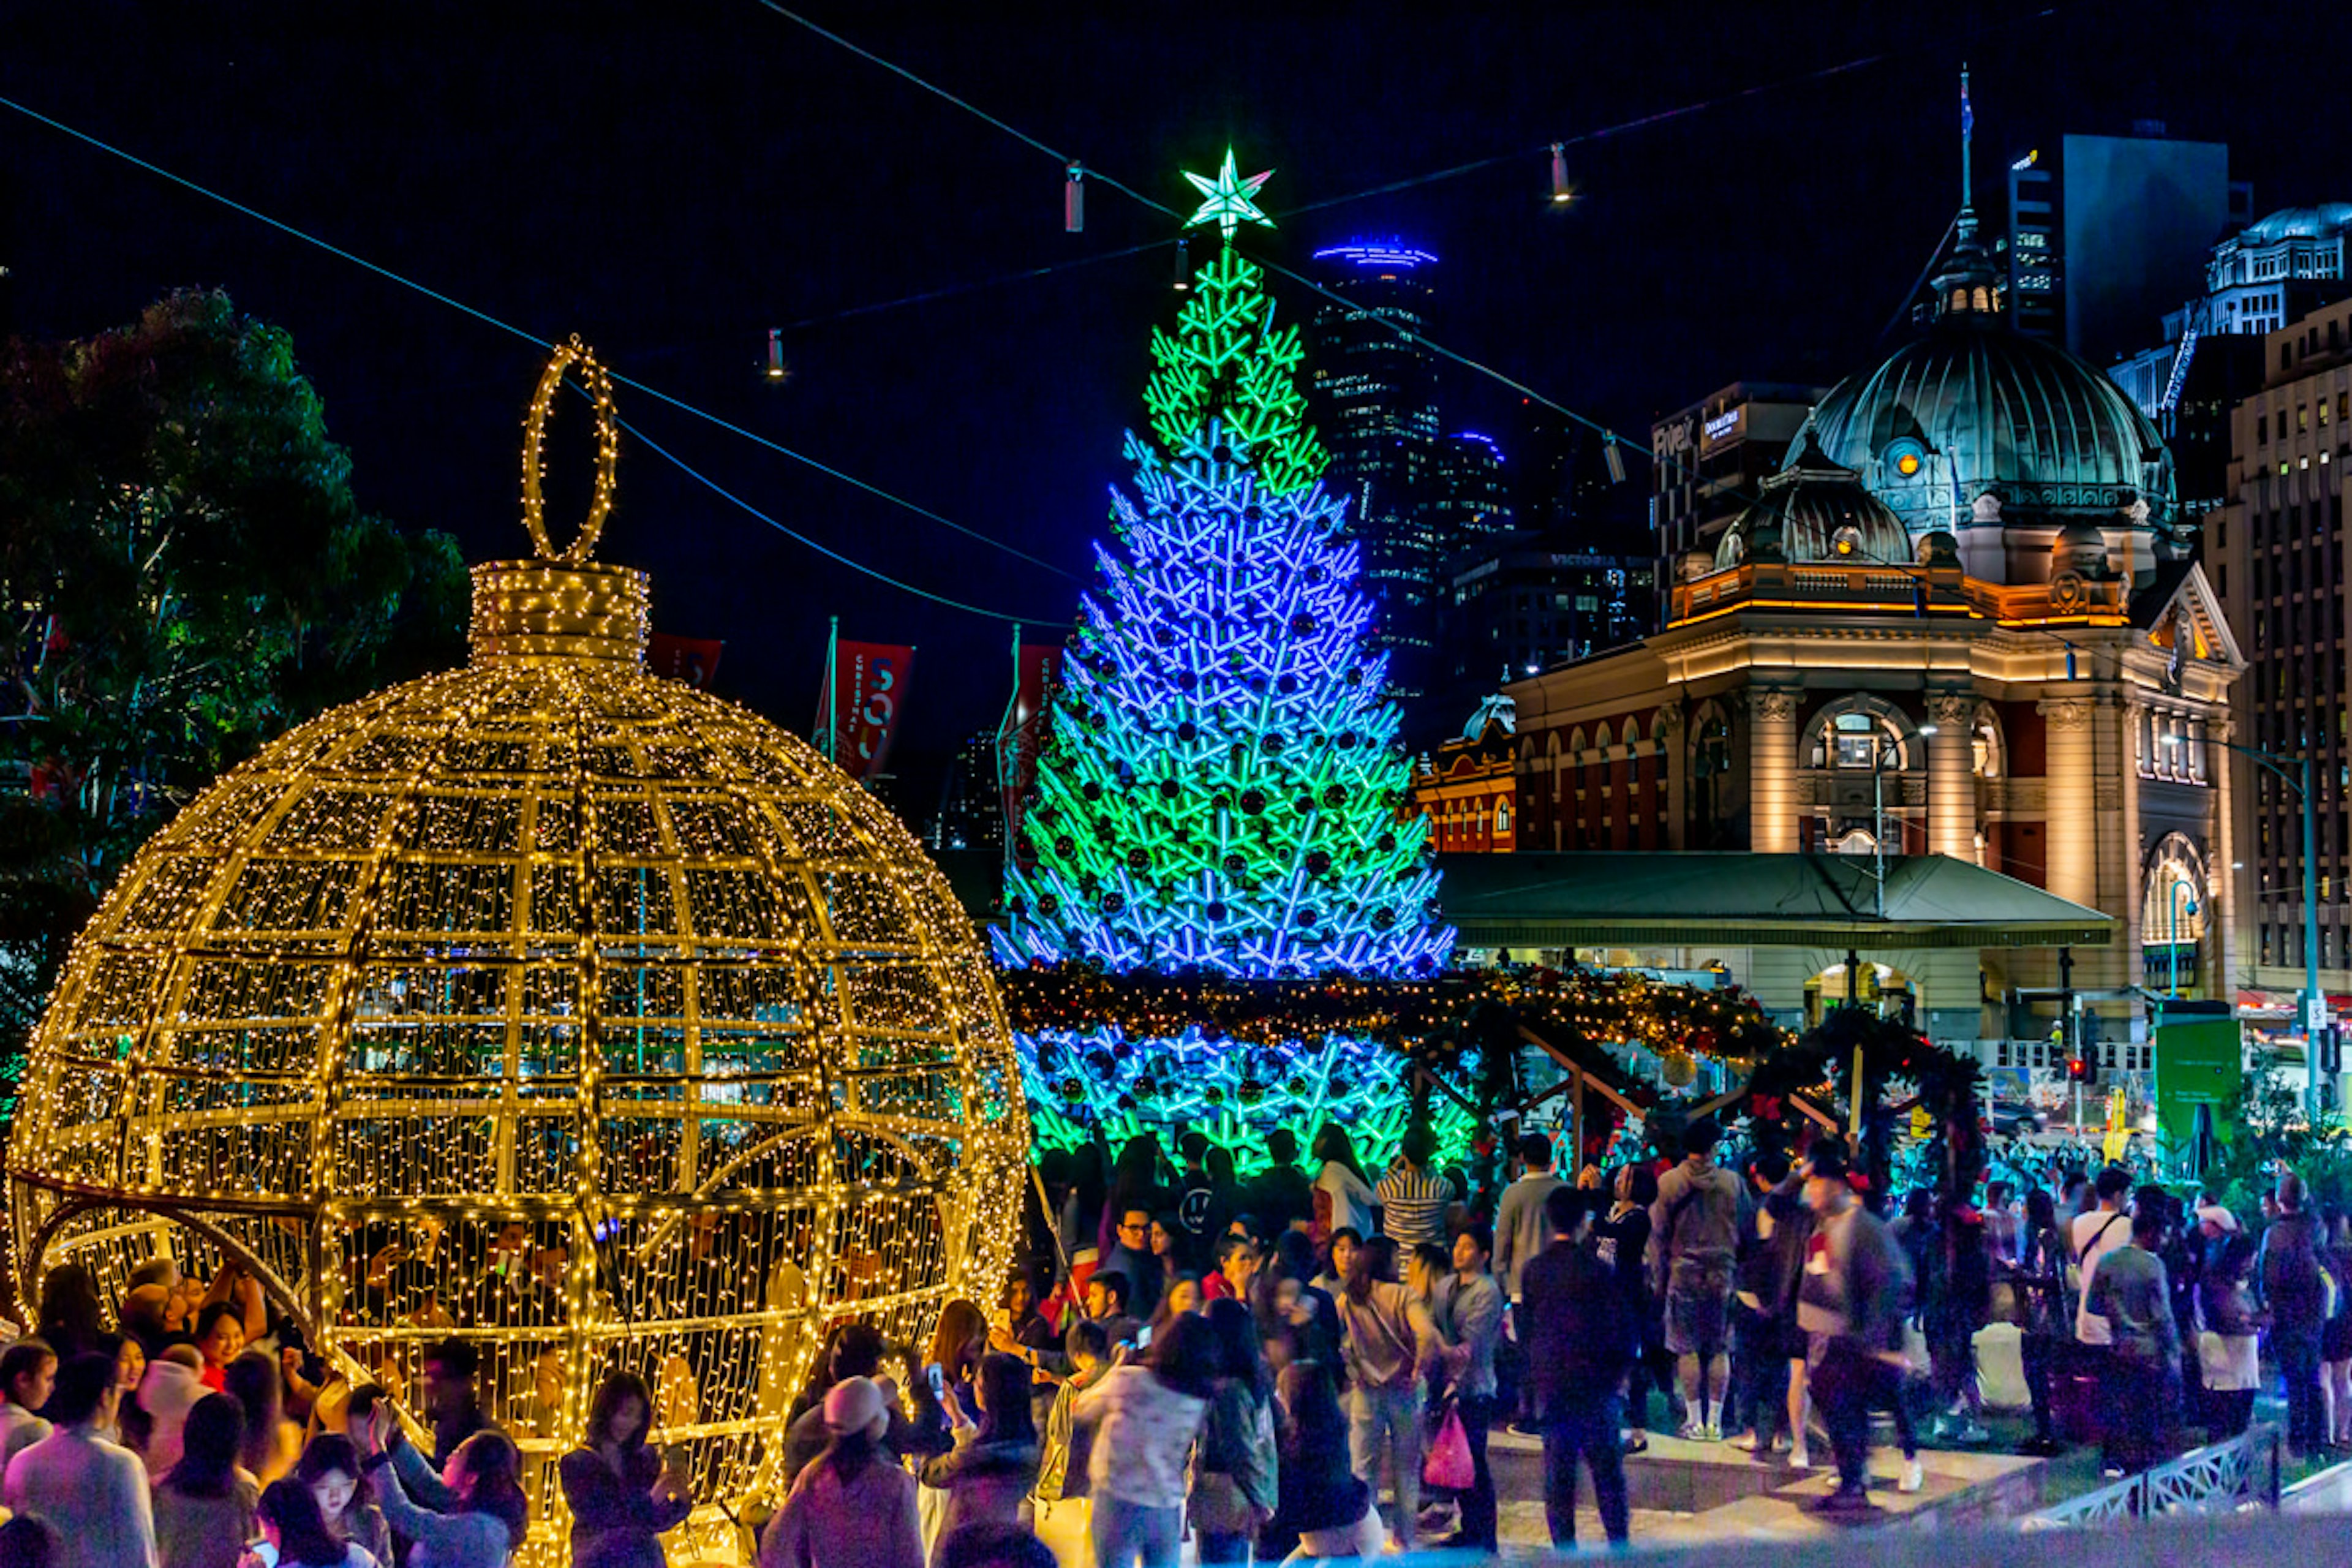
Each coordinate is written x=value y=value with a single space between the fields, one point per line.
x=472 y=1515
x=1145 y=1419
x=1325 y=1508
x=988 y=1474
x=330 y=1468
x=298 y=1531
x=621 y=1496
x=203 y=1505
x=956 y=1344
x=1342 y=1195
x=2044 y=1319
x=852 y=1506
x=1171 y=1249
x=1233 y=1487
x=71 y=1316
x=1387 y=1342
x=1624 y=1239
x=2229 y=1331
x=271 y=1443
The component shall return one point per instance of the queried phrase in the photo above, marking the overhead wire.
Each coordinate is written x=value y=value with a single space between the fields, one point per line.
x=1615 y=439
x=827 y=552
x=952 y=290
x=414 y=286
x=1467 y=362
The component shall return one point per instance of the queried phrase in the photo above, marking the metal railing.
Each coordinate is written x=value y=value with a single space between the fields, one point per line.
x=2221 y=1478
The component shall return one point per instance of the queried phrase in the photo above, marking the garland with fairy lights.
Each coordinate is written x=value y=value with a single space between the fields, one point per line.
x=1888 y=1053
x=1123 y=1053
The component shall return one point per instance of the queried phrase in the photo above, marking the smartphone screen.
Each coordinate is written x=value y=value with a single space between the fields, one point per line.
x=1143 y=1337
x=939 y=1381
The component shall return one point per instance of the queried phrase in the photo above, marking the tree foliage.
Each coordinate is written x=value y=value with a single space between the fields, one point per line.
x=186 y=576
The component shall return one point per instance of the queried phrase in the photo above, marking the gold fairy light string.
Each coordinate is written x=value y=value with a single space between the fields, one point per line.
x=550 y=1003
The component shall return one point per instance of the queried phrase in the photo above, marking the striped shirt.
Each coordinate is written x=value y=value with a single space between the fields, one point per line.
x=1412 y=1205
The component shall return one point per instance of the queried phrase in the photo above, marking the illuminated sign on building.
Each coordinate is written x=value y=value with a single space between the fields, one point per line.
x=1723 y=425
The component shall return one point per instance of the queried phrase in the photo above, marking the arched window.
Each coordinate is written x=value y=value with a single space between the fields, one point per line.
x=1710 y=768
x=2173 y=913
x=1986 y=754
x=1854 y=841
x=1857 y=733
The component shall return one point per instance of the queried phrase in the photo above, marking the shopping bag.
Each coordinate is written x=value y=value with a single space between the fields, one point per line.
x=1448 y=1464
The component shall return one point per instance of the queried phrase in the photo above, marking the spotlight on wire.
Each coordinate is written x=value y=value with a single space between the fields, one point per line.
x=778 y=373
x=1183 y=268
x=1561 y=195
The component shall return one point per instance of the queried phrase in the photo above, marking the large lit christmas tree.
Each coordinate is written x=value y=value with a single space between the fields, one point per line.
x=1222 y=786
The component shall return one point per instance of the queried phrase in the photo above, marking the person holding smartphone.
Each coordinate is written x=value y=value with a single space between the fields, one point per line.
x=621 y=1495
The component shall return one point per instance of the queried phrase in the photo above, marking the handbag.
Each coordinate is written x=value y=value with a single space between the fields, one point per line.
x=1448 y=1464
x=1217 y=1505
x=2232 y=1362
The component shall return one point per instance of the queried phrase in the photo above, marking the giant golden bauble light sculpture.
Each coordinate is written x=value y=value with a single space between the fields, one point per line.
x=571 y=1006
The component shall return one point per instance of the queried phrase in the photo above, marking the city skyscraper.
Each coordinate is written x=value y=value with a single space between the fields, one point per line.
x=1373 y=389
x=2279 y=562
x=1471 y=499
x=1708 y=462
x=2211 y=356
x=2107 y=232
x=971 y=816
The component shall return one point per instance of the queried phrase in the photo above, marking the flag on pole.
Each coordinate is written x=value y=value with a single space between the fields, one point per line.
x=1037 y=675
x=691 y=660
x=868 y=693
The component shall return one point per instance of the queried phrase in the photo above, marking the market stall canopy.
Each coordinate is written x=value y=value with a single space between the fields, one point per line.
x=1733 y=899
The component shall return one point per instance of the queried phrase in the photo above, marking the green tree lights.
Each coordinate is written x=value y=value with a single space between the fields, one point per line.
x=1222 y=789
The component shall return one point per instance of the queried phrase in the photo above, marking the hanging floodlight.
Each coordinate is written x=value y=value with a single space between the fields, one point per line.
x=1561 y=194
x=1613 y=460
x=1183 y=268
x=1074 y=198
x=776 y=371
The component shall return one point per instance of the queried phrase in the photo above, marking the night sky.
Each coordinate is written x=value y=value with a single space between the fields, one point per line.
x=671 y=181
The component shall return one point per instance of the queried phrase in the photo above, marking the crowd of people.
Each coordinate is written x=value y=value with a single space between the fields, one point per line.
x=189 y=1428
x=1307 y=1364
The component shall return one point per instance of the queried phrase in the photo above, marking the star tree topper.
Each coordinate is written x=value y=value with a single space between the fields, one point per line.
x=1228 y=205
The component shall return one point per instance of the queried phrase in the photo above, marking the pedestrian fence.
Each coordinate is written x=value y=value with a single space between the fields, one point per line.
x=2221 y=1478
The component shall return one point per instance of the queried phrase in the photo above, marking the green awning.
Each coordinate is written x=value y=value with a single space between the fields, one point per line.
x=1732 y=898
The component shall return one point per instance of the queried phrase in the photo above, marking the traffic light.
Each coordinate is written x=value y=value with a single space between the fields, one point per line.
x=2082 y=1069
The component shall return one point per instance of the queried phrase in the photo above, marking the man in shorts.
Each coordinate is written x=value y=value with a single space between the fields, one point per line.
x=1693 y=1241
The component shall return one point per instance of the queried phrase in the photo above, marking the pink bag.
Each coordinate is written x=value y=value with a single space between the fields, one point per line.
x=1448 y=1464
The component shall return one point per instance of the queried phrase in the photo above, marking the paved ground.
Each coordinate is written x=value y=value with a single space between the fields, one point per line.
x=1715 y=1492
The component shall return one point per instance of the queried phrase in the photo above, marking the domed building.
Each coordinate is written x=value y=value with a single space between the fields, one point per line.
x=2004 y=441
x=1961 y=623
x=1814 y=511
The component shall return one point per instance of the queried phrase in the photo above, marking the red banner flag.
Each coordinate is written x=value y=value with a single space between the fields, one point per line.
x=1023 y=733
x=869 y=689
x=691 y=660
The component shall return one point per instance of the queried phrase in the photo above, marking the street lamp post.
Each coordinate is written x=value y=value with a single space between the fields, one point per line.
x=2302 y=787
x=1879 y=753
